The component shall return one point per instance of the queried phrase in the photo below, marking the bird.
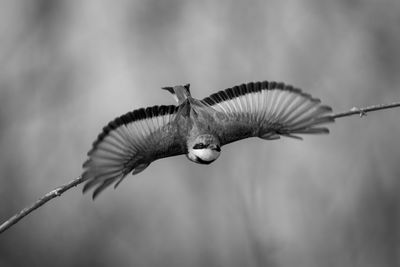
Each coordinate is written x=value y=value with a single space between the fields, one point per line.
x=199 y=128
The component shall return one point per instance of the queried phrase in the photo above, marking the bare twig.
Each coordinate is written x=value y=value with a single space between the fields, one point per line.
x=52 y=194
x=363 y=111
x=61 y=189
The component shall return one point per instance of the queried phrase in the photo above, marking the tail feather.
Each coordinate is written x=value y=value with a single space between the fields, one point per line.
x=317 y=130
x=180 y=93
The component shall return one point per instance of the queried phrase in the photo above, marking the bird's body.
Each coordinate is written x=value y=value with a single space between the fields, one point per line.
x=198 y=128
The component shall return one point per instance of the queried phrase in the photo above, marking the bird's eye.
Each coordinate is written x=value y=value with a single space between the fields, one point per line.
x=199 y=146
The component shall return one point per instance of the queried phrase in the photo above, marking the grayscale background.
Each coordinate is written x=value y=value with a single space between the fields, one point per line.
x=68 y=67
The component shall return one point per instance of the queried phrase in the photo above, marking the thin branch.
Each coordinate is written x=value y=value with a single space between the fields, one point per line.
x=363 y=111
x=52 y=194
x=61 y=189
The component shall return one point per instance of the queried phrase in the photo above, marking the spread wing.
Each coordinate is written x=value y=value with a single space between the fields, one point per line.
x=129 y=144
x=267 y=110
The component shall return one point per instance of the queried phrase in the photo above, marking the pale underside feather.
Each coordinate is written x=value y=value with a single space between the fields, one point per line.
x=267 y=110
x=129 y=144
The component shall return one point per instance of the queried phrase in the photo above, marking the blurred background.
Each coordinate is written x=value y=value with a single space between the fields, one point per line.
x=69 y=67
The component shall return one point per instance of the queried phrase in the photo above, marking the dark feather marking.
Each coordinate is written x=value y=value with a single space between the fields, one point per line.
x=271 y=85
x=236 y=90
x=264 y=84
x=230 y=93
x=135 y=115
x=187 y=86
x=149 y=112
x=250 y=87
x=225 y=95
x=243 y=89
x=169 y=89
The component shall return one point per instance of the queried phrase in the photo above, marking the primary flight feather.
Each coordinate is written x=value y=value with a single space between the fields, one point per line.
x=199 y=128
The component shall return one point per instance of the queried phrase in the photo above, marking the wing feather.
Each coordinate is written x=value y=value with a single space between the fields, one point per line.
x=267 y=110
x=130 y=143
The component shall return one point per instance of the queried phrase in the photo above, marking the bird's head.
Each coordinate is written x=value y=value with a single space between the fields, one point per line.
x=204 y=149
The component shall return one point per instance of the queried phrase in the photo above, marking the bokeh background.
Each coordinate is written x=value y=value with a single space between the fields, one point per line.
x=67 y=67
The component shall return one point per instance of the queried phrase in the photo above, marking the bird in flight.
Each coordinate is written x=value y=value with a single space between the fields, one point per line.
x=199 y=128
